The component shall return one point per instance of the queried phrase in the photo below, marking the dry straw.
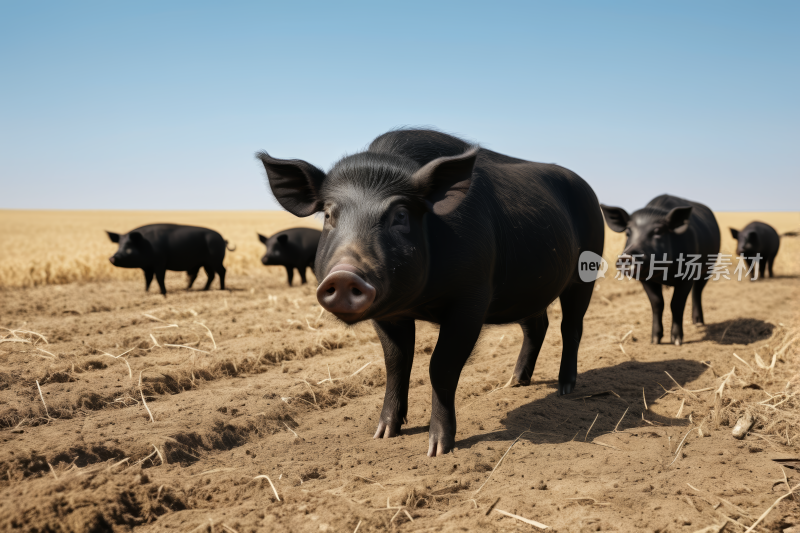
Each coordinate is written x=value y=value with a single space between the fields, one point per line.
x=208 y=332
x=501 y=461
x=42 y=397
x=270 y=484
x=534 y=523
x=143 y=400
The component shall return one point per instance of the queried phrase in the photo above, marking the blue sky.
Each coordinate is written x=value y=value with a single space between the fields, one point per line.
x=161 y=105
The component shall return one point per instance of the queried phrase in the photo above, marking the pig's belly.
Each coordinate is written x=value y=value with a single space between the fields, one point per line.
x=186 y=262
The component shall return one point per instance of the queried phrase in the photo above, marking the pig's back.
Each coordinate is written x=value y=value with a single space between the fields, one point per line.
x=702 y=221
x=184 y=247
x=767 y=236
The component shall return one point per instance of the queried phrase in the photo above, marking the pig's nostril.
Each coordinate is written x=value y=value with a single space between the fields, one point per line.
x=331 y=290
x=357 y=292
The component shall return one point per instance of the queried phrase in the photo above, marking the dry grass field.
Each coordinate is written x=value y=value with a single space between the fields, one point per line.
x=251 y=410
x=56 y=247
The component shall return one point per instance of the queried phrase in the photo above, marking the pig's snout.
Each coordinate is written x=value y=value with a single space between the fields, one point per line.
x=112 y=259
x=345 y=294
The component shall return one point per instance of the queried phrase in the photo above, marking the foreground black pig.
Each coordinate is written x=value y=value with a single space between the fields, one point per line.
x=667 y=234
x=292 y=248
x=157 y=248
x=425 y=226
x=758 y=238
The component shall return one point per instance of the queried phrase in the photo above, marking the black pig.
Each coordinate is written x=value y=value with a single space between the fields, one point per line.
x=157 y=248
x=292 y=248
x=424 y=226
x=672 y=228
x=758 y=238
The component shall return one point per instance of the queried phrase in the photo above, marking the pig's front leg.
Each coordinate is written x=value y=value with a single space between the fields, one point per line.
x=457 y=337
x=397 y=339
x=656 y=297
x=148 y=279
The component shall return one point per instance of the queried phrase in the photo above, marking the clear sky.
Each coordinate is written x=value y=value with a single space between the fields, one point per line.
x=161 y=105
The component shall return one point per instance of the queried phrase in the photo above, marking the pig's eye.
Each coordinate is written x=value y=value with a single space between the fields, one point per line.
x=401 y=220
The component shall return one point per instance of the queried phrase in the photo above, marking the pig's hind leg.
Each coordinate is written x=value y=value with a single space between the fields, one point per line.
x=397 y=340
x=160 y=278
x=210 y=273
x=221 y=271
x=697 y=301
x=533 y=330
x=574 y=303
x=677 y=306
x=192 y=276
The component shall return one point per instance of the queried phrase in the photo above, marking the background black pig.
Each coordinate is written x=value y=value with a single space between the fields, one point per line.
x=672 y=226
x=157 y=248
x=292 y=248
x=424 y=226
x=758 y=238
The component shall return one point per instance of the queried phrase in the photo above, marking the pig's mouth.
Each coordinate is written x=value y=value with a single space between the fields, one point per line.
x=344 y=293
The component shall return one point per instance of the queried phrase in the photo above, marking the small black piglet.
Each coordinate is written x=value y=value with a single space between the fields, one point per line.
x=292 y=248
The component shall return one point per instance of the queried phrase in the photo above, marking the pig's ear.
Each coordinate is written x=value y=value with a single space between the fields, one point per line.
x=444 y=182
x=678 y=219
x=616 y=218
x=295 y=184
x=262 y=238
x=283 y=239
x=734 y=233
x=136 y=237
x=113 y=236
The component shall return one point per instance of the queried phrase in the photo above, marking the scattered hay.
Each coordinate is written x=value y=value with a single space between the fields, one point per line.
x=336 y=393
x=777 y=416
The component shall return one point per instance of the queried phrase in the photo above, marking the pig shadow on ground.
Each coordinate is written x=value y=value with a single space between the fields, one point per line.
x=738 y=331
x=555 y=419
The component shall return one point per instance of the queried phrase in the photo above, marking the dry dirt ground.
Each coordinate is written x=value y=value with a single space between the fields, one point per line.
x=122 y=410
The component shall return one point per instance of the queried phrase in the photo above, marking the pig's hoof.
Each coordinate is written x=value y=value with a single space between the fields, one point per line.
x=440 y=445
x=565 y=388
x=655 y=340
x=677 y=341
x=386 y=430
x=517 y=382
